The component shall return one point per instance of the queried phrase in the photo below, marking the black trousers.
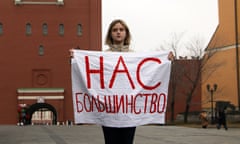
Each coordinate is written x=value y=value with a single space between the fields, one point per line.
x=114 y=135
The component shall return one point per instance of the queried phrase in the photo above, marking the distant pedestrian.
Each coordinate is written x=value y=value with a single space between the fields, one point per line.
x=204 y=119
x=222 y=119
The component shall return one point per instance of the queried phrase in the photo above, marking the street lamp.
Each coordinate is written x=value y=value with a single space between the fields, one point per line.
x=211 y=90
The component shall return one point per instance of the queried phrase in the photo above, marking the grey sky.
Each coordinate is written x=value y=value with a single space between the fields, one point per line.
x=153 y=21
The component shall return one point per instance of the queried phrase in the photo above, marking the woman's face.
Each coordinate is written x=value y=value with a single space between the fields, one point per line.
x=118 y=33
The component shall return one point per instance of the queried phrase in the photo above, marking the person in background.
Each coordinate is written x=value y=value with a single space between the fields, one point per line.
x=222 y=119
x=118 y=39
x=204 y=119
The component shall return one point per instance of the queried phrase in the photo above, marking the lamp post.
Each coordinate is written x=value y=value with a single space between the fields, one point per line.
x=211 y=90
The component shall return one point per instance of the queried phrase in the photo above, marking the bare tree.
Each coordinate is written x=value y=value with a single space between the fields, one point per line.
x=190 y=74
x=174 y=45
x=196 y=46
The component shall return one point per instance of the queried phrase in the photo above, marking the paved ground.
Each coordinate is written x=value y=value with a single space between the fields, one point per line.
x=92 y=134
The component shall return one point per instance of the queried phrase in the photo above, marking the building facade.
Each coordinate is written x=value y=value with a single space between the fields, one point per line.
x=35 y=38
x=184 y=96
x=225 y=58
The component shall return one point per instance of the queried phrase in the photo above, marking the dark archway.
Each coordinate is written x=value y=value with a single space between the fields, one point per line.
x=36 y=107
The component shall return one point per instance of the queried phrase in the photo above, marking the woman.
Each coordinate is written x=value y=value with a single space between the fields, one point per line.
x=118 y=40
x=118 y=37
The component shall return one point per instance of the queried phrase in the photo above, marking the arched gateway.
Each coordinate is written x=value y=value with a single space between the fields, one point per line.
x=40 y=105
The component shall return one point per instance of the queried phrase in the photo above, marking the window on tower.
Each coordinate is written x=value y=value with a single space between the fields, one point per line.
x=61 y=29
x=40 y=50
x=28 y=29
x=1 y=28
x=79 y=29
x=45 y=29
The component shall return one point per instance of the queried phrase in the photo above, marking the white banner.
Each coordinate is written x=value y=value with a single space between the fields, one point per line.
x=120 y=89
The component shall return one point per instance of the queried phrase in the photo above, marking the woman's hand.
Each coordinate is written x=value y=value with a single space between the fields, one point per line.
x=171 y=56
x=71 y=53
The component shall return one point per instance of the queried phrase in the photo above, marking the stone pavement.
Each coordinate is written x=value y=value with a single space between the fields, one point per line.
x=92 y=134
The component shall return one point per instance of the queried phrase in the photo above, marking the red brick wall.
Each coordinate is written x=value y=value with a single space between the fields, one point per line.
x=21 y=65
x=183 y=73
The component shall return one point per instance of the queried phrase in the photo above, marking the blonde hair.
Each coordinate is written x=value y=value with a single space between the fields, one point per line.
x=109 y=40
